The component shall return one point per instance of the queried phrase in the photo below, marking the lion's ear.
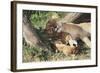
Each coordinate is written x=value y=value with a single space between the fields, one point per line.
x=51 y=21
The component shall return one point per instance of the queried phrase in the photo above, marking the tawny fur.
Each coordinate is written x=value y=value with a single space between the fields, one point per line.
x=77 y=32
x=86 y=26
x=67 y=49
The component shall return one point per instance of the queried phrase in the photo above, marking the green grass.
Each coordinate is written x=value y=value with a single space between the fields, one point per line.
x=37 y=55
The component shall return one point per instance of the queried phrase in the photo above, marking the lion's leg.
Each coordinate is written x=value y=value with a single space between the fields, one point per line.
x=87 y=41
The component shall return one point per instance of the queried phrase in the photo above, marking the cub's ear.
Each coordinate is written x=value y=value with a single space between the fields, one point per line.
x=68 y=37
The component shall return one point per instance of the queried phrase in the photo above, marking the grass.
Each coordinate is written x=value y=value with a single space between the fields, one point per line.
x=34 y=54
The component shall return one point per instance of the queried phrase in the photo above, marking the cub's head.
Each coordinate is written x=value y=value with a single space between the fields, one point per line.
x=68 y=49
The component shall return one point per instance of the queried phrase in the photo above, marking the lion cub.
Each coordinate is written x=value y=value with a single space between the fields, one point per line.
x=69 y=48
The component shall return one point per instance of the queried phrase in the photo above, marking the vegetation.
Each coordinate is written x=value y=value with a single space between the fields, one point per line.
x=39 y=20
